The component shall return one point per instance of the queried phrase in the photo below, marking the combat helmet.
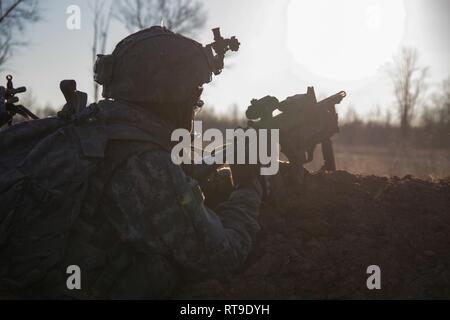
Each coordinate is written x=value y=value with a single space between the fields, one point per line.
x=159 y=66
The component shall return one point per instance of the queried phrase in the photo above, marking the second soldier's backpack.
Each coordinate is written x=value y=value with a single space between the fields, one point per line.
x=45 y=170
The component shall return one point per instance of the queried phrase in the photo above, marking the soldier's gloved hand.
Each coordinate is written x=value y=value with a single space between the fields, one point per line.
x=244 y=174
x=248 y=176
x=218 y=188
x=242 y=171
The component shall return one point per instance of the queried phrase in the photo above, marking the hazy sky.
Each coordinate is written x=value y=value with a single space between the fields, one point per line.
x=286 y=45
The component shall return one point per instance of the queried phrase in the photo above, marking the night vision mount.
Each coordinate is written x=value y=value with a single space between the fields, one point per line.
x=220 y=46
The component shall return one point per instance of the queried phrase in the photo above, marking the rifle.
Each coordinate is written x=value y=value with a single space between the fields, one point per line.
x=303 y=123
x=8 y=106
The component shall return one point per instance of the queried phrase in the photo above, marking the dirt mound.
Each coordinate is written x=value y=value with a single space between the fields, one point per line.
x=320 y=243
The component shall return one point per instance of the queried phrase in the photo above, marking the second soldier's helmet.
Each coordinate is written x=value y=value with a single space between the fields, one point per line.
x=158 y=66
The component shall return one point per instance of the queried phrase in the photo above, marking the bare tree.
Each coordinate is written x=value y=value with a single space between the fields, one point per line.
x=436 y=116
x=101 y=22
x=409 y=86
x=182 y=16
x=14 y=16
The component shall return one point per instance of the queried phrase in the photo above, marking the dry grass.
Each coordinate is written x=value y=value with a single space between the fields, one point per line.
x=430 y=164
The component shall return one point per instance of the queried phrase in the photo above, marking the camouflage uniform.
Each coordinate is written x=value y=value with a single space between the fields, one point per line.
x=150 y=229
x=104 y=193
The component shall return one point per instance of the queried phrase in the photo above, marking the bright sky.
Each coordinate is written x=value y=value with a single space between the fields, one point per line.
x=286 y=45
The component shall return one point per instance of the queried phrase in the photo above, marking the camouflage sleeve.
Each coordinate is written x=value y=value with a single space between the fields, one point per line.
x=160 y=210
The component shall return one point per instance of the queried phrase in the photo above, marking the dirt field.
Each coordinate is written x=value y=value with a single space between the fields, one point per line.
x=428 y=164
x=320 y=241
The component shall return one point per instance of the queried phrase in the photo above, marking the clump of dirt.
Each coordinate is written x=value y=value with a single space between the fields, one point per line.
x=319 y=242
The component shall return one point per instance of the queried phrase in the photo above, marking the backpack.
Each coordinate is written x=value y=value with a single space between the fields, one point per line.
x=46 y=166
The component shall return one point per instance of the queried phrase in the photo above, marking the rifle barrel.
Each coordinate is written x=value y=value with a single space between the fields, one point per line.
x=335 y=98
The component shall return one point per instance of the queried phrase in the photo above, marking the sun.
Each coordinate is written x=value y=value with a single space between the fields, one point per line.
x=345 y=39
